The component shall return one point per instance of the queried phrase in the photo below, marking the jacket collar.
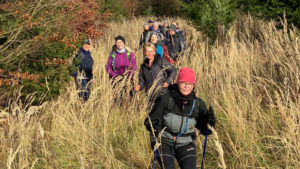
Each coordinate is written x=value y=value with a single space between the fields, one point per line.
x=146 y=61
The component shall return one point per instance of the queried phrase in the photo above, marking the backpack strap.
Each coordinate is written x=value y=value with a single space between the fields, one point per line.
x=113 y=55
x=187 y=123
x=160 y=63
x=128 y=55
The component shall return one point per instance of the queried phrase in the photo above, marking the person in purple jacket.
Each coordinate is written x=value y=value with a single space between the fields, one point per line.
x=121 y=62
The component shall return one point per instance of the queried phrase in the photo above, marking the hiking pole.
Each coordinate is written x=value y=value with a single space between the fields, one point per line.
x=154 y=159
x=206 y=133
x=204 y=148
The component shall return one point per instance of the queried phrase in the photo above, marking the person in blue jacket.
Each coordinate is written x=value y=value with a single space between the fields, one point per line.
x=82 y=70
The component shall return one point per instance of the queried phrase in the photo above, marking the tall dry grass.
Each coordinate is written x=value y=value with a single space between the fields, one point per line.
x=252 y=79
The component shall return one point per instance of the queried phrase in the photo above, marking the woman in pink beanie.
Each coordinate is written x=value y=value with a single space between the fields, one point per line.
x=179 y=112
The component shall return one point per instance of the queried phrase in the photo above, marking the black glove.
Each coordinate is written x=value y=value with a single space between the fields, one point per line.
x=156 y=126
x=211 y=120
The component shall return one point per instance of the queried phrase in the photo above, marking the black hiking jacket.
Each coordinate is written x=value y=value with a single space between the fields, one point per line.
x=148 y=75
x=175 y=45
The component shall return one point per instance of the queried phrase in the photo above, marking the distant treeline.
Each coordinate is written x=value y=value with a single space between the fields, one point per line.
x=212 y=17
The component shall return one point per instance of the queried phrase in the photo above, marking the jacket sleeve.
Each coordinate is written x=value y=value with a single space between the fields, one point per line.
x=148 y=37
x=156 y=114
x=182 y=43
x=171 y=71
x=204 y=118
x=141 y=79
x=92 y=69
x=109 y=68
x=75 y=64
x=141 y=41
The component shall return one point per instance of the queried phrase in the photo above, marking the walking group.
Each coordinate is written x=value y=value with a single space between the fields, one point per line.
x=176 y=112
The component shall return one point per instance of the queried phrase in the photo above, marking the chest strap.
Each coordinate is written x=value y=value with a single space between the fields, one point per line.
x=187 y=123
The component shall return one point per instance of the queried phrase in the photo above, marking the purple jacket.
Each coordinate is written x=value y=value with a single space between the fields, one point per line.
x=122 y=64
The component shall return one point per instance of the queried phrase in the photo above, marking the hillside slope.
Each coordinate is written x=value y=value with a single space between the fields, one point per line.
x=252 y=80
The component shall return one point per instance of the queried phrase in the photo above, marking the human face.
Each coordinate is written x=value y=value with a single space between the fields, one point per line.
x=149 y=53
x=154 y=39
x=155 y=26
x=174 y=23
x=86 y=46
x=146 y=27
x=120 y=44
x=186 y=88
x=172 y=32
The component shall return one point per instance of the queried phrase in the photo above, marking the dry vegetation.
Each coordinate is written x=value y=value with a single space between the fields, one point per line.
x=252 y=79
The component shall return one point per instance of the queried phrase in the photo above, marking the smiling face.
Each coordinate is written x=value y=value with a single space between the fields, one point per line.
x=120 y=44
x=149 y=52
x=185 y=88
x=172 y=32
x=86 y=46
x=154 y=38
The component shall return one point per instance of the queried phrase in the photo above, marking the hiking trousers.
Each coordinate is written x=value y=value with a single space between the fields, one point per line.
x=185 y=156
x=84 y=88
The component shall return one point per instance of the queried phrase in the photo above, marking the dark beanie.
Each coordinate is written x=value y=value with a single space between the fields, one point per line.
x=120 y=38
x=86 y=41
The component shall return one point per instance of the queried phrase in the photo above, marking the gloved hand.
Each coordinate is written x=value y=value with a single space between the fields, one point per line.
x=211 y=119
x=74 y=74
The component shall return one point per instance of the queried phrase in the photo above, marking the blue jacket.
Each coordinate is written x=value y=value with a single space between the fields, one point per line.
x=83 y=61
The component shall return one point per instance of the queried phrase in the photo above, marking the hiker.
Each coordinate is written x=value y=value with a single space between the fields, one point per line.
x=155 y=69
x=150 y=23
x=161 y=49
x=145 y=35
x=157 y=43
x=175 y=44
x=121 y=62
x=165 y=28
x=83 y=70
x=179 y=31
x=159 y=24
x=179 y=112
x=157 y=31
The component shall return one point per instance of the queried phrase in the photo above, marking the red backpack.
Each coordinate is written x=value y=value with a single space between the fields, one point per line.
x=166 y=54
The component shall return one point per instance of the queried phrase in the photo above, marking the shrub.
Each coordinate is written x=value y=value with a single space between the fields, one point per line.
x=211 y=16
x=37 y=40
